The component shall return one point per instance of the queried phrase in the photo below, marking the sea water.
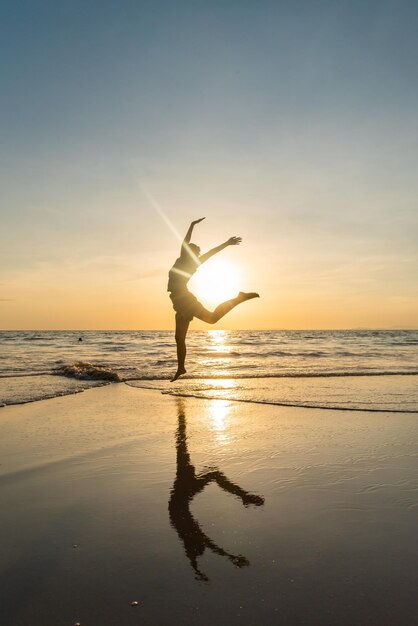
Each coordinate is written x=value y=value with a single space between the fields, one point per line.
x=348 y=369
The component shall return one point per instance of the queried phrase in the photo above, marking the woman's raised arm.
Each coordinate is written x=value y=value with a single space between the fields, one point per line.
x=190 y=231
x=232 y=241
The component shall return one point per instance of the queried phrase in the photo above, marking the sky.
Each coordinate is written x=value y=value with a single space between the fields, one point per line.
x=290 y=124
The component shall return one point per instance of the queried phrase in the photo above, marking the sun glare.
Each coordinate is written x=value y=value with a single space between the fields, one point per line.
x=218 y=412
x=215 y=282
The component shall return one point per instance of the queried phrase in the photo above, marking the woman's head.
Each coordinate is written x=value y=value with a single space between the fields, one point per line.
x=195 y=249
x=190 y=250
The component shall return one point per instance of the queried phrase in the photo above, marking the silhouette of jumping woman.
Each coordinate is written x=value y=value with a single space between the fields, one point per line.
x=185 y=304
x=187 y=485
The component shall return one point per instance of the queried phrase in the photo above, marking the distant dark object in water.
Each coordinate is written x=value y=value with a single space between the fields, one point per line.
x=80 y=338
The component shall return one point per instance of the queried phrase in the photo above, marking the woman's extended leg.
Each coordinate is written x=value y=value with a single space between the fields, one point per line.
x=211 y=317
x=182 y=326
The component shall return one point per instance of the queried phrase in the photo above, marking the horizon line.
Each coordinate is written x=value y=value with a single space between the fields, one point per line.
x=386 y=328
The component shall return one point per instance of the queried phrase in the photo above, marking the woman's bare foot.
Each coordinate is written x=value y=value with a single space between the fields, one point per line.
x=179 y=373
x=243 y=295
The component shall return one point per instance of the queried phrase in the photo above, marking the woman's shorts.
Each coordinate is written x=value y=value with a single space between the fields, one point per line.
x=185 y=304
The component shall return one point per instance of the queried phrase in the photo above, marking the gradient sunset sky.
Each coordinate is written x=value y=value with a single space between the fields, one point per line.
x=291 y=124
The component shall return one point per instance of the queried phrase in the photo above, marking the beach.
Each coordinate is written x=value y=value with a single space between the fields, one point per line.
x=209 y=314
x=205 y=510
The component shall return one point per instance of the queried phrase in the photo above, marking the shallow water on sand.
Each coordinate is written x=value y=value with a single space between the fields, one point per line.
x=364 y=393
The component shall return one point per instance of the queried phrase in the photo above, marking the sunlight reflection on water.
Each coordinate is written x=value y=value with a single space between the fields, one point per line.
x=223 y=386
x=219 y=422
x=218 y=340
x=219 y=345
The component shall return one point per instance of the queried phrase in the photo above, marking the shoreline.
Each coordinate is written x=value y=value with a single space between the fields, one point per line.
x=188 y=387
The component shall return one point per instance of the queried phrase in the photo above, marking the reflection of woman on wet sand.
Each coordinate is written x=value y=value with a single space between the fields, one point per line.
x=186 y=305
x=186 y=486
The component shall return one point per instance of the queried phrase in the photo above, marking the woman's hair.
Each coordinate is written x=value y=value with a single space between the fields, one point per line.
x=194 y=248
x=190 y=248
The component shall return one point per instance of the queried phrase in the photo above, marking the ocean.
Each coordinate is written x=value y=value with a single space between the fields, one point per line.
x=347 y=369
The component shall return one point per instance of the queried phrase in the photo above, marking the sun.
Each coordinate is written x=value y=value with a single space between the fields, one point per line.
x=215 y=282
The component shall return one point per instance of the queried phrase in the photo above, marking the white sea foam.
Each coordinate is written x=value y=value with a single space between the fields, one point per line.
x=390 y=394
x=87 y=371
x=20 y=390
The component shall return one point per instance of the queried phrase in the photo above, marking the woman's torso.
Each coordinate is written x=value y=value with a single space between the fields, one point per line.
x=180 y=274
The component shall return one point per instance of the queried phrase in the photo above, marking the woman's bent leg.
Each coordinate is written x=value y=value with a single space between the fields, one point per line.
x=211 y=317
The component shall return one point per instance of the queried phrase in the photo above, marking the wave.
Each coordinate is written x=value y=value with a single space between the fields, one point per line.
x=267 y=375
x=38 y=338
x=288 y=404
x=87 y=371
x=26 y=374
x=81 y=376
x=291 y=353
x=45 y=395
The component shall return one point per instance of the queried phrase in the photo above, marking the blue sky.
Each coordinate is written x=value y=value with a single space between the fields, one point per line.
x=291 y=124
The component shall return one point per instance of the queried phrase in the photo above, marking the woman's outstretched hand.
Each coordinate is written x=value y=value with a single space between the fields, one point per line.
x=234 y=241
x=198 y=221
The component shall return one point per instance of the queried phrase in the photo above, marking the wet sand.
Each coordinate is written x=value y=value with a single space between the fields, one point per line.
x=205 y=511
